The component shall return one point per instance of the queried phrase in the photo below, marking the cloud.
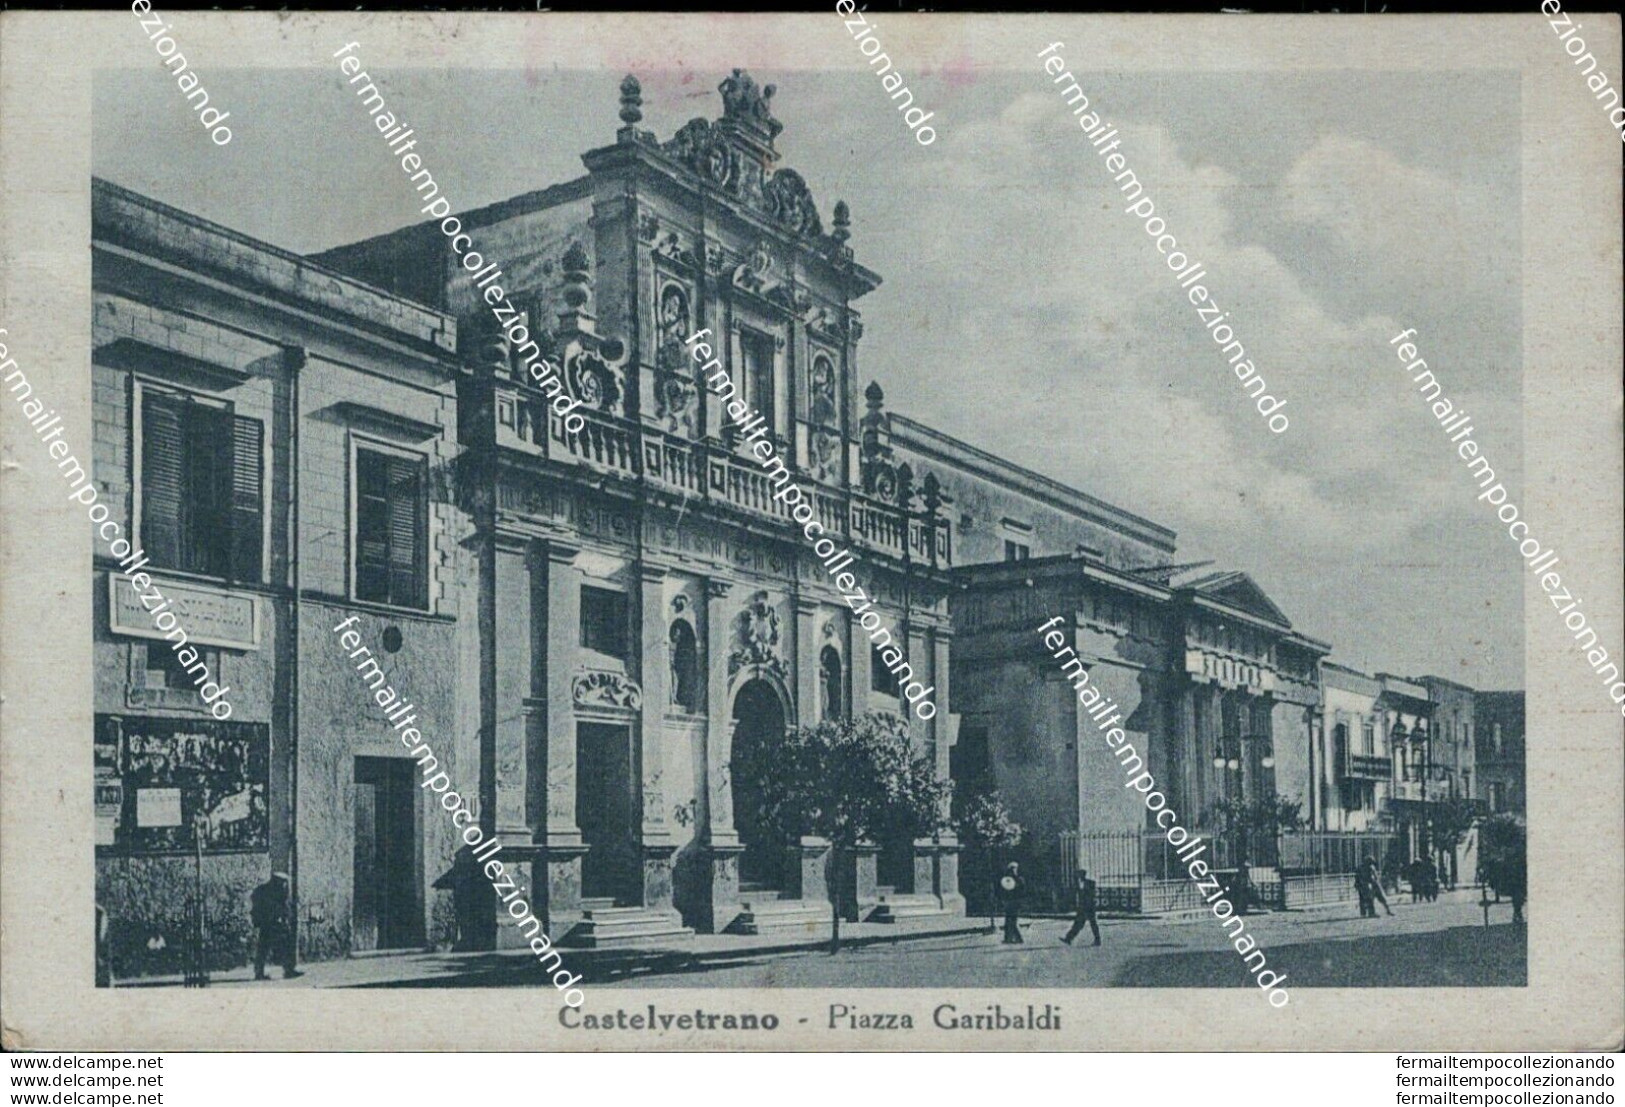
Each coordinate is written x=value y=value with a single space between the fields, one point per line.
x=1053 y=307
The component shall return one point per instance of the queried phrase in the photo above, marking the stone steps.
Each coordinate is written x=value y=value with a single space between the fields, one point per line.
x=809 y=918
x=894 y=906
x=626 y=927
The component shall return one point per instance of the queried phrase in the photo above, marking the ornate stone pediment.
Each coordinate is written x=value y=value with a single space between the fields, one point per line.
x=733 y=153
x=600 y=688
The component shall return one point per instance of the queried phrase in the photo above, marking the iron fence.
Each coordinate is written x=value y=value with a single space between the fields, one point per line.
x=1141 y=871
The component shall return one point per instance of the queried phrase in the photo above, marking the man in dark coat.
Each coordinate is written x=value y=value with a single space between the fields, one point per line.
x=1373 y=882
x=1007 y=891
x=1086 y=910
x=268 y=911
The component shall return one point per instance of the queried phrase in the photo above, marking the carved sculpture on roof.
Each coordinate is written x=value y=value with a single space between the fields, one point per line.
x=746 y=102
x=788 y=199
x=734 y=154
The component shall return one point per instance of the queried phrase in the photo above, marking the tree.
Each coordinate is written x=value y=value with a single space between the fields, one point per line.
x=1256 y=821
x=1452 y=819
x=848 y=781
x=984 y=827
x=1501 y=847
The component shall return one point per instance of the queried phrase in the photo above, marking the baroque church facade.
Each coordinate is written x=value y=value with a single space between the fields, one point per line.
x=647 y=606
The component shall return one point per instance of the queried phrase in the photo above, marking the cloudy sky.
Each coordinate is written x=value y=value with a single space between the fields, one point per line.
x=1023 y=311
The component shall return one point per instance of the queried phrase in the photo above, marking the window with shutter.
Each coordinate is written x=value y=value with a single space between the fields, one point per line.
x=247 y=499
x=202 y=475
x=163 y=455
x=391 y=537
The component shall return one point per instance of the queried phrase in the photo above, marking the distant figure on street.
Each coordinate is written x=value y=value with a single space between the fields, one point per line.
x=1086 y=910
x=268 y=911
x=1373 y=882
x=1241 y=887
x=1412 y=872
x=1514 y=875
x=1430 y=880
x=1362 y=889
x=104 y=958
x=1007 y=893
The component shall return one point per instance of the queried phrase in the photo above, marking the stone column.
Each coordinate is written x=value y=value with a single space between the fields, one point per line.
x=654 y=674
x=561 y=842
x=721 y=839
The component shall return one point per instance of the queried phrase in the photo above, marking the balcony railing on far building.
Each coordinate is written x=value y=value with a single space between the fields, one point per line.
x=714 y=473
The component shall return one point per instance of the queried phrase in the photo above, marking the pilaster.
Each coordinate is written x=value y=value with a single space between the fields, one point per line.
x=722 y=845
x=561 y=840
x=806 y=661
x=654 y=674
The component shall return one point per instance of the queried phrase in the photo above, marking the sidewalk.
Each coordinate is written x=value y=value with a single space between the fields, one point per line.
x=505 y=968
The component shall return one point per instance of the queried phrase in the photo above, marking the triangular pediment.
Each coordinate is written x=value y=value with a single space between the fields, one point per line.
x=1240 y=591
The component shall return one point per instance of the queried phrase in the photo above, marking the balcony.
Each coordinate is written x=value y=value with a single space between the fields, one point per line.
x=713 y=474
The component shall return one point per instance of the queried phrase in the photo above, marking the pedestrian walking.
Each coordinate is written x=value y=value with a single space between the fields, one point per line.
x=1007 y=893
x=268 y=911
x=1373 y=879
x=104 y=954
x=1085 y=915
x=1412 y=872
x=1362 y=889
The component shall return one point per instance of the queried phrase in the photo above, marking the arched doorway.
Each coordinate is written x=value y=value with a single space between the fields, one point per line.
x=758 y=727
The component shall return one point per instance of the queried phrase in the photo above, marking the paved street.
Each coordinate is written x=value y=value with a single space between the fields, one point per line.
x=1442 y=944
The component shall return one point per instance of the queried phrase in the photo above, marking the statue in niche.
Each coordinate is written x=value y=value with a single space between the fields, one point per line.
x=822 y=386
x=675 y=392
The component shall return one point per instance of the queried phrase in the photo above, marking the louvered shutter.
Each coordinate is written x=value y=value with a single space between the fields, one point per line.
x=247 y=499
x=406 y=533
x=163 y=455
x=207 y=506
x=372 y=527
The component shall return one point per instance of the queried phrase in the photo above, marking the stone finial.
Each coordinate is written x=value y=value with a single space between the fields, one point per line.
x=905 y=486
x=932 y=494
x=843 y=223
x=631 y=101
x=874 y=397
x=577 y=278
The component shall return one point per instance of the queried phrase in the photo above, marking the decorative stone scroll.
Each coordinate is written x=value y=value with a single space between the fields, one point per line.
x=599 y=688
